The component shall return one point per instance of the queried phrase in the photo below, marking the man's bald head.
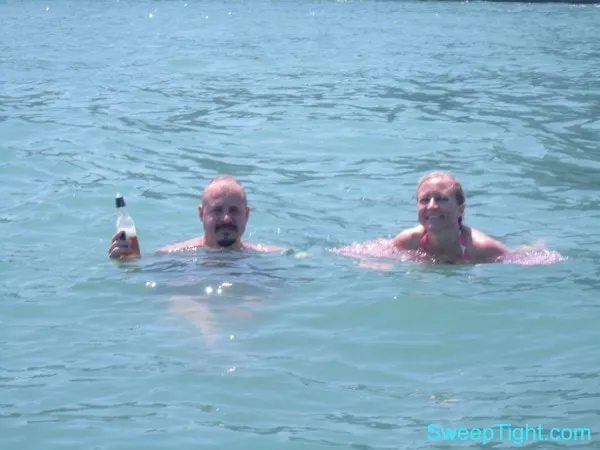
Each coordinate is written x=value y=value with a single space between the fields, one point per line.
x=224 y=184
x=224 y=212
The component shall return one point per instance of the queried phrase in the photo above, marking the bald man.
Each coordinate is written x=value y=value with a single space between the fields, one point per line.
x=224 y=213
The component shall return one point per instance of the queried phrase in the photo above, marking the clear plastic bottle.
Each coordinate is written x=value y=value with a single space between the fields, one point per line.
x=126 y=225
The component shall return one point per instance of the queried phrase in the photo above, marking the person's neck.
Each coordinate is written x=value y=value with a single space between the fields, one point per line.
x=211 y=241
x=444 y=239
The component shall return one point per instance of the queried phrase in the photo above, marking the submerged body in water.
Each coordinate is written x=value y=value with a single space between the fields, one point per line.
x=209 y=287
x=381 y=254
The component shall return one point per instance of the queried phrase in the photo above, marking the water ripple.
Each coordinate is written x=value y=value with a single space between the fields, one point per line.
x=328 y=113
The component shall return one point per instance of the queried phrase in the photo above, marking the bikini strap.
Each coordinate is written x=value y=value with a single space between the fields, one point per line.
x=463 y=243
x=461 y=240
x=423 y=241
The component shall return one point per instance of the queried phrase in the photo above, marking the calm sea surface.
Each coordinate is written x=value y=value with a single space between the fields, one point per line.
x=328 y=112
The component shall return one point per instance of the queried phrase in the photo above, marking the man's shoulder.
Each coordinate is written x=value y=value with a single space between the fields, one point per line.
x=200 y=242
x=190 y=243
x=265 y=248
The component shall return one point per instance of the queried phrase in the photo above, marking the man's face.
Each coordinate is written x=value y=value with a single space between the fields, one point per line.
x=224 y=214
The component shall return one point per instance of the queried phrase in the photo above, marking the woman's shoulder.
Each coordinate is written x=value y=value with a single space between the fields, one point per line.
x=409 y=239
x=486 y=247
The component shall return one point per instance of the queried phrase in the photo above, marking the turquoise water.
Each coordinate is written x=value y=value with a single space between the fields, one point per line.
x=328 y=112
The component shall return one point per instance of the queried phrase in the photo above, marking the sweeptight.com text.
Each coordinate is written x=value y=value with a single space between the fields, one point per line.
x=506 y=432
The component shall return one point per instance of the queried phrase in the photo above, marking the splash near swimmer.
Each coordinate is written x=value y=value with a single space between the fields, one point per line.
x=442 y=237
x=535 y=254
x=382 y=249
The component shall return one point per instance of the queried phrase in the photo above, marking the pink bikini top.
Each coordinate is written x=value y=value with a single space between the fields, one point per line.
x=461 y=241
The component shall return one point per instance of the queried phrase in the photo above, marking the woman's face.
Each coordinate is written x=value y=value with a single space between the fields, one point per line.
x=437 y=206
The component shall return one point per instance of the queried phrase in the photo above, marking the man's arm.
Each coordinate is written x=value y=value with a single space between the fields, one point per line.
x=121 y=249
x=265 y=248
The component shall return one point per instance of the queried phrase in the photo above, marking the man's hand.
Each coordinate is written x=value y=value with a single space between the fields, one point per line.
x=121 y=248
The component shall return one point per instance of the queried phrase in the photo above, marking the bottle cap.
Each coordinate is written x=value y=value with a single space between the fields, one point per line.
x=120 y=201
